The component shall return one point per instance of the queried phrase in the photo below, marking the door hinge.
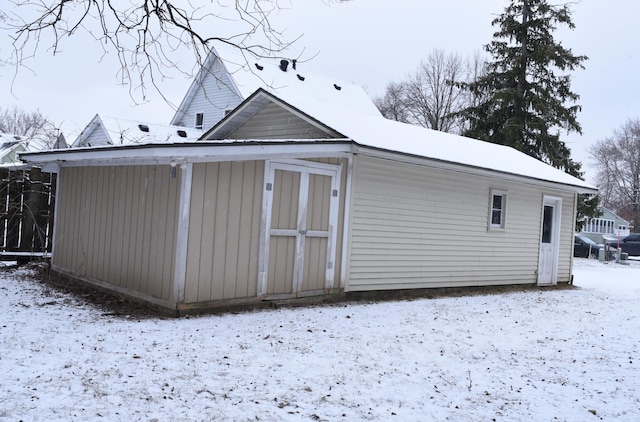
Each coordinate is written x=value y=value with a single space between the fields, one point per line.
x=269 y=187
x=335 y=193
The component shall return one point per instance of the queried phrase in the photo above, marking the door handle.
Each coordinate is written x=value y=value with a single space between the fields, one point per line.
x=302 y=231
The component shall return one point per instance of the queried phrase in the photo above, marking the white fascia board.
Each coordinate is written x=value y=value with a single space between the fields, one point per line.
x=192 y=153
x=462 y=168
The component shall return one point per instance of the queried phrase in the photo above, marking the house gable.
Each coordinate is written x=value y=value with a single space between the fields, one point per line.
x=103 y=131
x=10 y=146
x=265 y=116
x=610 y=215
x=275 y=122
x=212 y=94
x=94 y=134
x=227 y=79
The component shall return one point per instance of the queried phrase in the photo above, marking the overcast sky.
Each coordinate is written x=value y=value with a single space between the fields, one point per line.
x=369 y=42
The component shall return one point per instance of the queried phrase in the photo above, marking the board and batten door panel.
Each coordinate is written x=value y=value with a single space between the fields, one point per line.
x=317 y=233
x=300 y=218
x=284 y=232
x=224 y=234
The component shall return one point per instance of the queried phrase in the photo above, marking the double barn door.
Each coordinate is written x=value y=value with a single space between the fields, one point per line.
x=300 y=215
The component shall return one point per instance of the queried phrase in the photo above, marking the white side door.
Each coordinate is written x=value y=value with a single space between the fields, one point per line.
x=549 y=241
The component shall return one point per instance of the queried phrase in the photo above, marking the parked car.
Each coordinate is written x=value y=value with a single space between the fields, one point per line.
x=582 y=245
x=629 y=244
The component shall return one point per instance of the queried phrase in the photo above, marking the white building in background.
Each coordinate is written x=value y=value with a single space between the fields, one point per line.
x=608 y=226
x=10 y=146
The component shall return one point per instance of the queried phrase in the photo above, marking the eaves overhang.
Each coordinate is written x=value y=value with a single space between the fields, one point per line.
x=201 y=151
x=243 y=150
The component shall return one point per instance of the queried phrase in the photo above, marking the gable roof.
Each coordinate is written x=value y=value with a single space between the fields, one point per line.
x=352 y=133
x=117 y=131
x=10 y=145
x=610 y=215
x=247 y=73
x=61 y=142
x=379 y=133
x=8 y=142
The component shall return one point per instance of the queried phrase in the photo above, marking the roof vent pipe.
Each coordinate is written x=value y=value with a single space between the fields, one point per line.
x=284 y=64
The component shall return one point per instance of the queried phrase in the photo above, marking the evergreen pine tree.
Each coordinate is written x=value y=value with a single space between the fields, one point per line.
x=526 y=92
x=526 y=103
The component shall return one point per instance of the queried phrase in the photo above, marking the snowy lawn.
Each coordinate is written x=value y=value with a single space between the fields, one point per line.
x=568 y=354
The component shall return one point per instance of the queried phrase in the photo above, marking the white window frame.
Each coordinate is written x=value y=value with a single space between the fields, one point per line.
x=195 y=123
x=503 y=211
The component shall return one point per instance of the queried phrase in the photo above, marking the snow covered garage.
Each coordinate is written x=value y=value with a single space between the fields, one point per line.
x=286 y=198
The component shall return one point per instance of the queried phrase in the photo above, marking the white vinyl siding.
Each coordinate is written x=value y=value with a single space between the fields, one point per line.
x=215 y=94
x=419 y=227
x=97 y=137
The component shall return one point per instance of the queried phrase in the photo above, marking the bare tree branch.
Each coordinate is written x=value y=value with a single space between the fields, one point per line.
x=145 y=35
x=617 y=162
x=33 y=127
x=431 y=96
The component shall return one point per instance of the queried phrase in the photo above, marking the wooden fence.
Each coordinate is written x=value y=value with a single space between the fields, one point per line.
x=27 y=201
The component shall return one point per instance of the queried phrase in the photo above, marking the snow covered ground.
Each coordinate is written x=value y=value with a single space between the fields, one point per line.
x=567 y=354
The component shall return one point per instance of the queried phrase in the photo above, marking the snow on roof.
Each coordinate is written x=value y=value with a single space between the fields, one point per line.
x=249 y=72
x=283 y=76
x=382 y=133
x=8 y=142
x=346 y=109
x=377 y=132
x=107 y=130
x=10 y=146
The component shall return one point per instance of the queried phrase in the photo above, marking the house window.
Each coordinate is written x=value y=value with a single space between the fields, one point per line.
x=199 y=120
x=498 y=210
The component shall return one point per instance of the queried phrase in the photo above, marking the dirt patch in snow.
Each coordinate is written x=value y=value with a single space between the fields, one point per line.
x=109 y=303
